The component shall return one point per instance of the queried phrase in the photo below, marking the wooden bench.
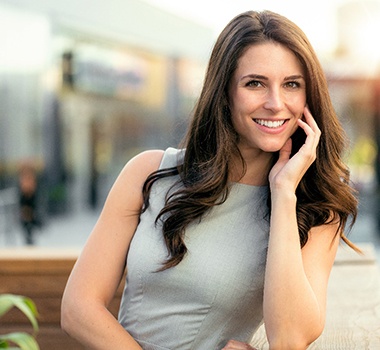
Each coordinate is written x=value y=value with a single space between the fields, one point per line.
x=41 y=274
x=353 y=304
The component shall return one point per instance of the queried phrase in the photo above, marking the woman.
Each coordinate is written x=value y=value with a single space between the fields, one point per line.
x=240 y=226
x=28 y=202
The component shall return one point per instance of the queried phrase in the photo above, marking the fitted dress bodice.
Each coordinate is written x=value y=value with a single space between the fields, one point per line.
x=216 y=292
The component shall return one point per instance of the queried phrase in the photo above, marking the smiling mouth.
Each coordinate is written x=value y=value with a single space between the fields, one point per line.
x=272 y=124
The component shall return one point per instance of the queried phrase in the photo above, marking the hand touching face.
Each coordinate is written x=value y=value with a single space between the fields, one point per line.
x=288 y=172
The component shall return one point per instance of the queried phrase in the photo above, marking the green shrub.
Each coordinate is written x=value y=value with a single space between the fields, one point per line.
x=22 y=340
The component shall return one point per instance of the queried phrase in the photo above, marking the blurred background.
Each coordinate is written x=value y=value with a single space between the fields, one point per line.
x=86 y=85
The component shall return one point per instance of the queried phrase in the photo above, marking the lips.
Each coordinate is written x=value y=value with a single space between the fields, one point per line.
x=272 y=124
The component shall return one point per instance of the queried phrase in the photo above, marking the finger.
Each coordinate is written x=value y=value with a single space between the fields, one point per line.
x=310 y=146
x=307 y=114
x=245 y=347
x=286 y=150
x=310 y=128
x=237 y=345
x=309 y=119
x=313 y=135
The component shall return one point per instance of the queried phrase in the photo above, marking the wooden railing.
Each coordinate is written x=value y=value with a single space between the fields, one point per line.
x=41 y=274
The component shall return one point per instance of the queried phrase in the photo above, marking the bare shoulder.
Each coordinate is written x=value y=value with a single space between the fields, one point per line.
x=150 y=159
x=126 y=192
x=141 y=166
x=145 y=162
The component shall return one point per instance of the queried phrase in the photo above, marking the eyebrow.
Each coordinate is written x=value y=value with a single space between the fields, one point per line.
x=255 y=76
x=263 y=77
x=294 y=77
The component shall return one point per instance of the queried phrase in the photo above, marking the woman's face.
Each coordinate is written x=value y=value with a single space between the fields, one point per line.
x=267 y=95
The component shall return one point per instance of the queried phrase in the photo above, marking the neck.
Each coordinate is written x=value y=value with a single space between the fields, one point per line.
x=257 y=167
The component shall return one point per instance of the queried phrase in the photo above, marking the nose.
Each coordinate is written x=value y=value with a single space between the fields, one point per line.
x=274 y=100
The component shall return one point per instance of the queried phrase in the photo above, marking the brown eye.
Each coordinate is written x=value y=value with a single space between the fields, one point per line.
x=254 y=83
x=293 y=84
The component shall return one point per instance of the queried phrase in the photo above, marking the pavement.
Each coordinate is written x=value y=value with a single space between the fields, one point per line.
x=73 y=229
x=65 y=230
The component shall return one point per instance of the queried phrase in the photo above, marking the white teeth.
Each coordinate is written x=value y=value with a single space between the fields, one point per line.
x=270 y=123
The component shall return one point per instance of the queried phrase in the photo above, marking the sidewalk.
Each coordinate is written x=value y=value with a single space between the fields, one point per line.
x=69 y=230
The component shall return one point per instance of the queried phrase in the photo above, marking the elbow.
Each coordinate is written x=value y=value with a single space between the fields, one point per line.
x=293 y=341
x=289 y=344
x=68 y=316
x=66 y=320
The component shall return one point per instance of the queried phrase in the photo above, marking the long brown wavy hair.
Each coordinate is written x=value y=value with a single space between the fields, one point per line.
x=323 y=195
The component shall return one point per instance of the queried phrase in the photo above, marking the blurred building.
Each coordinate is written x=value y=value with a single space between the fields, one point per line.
x=85 y=87
x=354 y=77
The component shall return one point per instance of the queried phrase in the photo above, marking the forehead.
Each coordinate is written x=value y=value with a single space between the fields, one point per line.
x=269 y=58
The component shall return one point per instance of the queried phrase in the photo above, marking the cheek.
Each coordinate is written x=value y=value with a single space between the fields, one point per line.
x=298 y=107
x=294 y=129
x=239 y=107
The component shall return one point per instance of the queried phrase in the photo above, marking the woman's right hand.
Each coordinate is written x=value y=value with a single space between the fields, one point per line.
x=237 y=345
x=288 y=171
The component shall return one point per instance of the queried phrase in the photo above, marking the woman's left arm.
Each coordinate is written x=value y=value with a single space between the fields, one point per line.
x=296 y=279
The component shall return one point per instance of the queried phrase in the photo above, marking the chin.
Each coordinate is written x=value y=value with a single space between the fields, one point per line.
x=272 y=149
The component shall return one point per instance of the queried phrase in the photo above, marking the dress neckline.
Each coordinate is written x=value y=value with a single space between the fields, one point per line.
x=233 y=183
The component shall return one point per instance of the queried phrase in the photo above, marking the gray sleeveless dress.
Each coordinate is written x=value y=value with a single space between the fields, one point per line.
x=216 y=293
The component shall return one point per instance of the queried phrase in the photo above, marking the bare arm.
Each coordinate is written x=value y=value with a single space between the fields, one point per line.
x=296 y=280
x=98 y=271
